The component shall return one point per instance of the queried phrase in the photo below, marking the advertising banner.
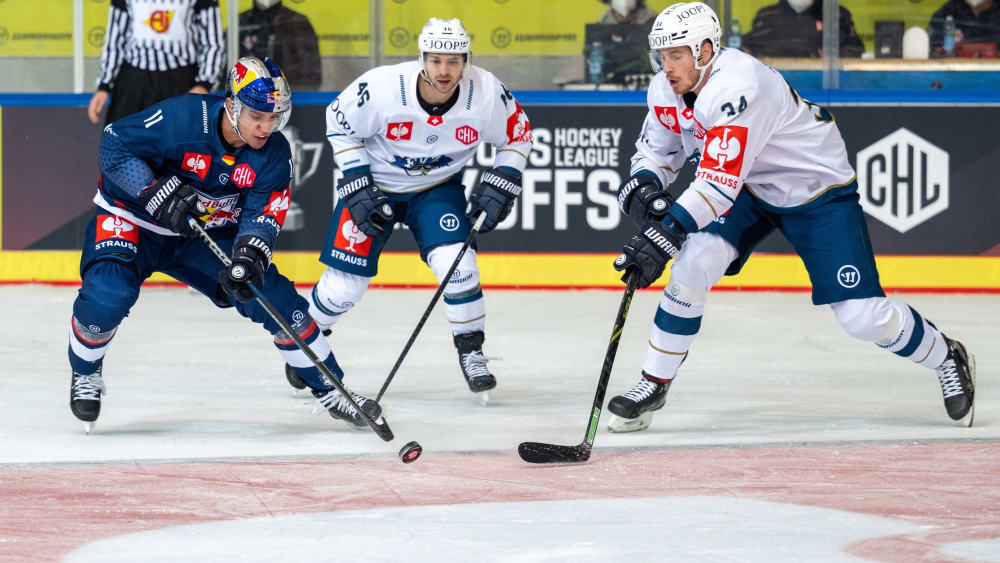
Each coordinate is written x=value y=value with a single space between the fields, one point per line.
x=926 y=190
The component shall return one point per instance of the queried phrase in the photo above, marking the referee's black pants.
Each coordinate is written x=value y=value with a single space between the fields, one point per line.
x=135 y=89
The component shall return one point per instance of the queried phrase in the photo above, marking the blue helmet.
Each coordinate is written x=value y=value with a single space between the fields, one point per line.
x=259 y=85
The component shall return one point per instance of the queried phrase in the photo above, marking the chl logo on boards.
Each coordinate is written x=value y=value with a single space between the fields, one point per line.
x=903 y=179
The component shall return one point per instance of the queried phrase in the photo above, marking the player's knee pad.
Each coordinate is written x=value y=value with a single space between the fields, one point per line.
x=109 y=290
x=683 y=300
x=702 y=261
x=874 y=319
x=334 y=294
x=464 y=282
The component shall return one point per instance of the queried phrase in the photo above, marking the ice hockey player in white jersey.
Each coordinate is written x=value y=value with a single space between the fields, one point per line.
x=766 y=159
x=401 y=135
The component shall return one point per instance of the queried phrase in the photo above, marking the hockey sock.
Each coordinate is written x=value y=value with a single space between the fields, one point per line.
x=334 y=294
x=295 y=357
x=675 y=327
x=463 y=296
x=87 y=347
x=911 y=336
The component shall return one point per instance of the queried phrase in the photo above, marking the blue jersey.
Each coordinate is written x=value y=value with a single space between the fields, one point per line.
x=245 y=189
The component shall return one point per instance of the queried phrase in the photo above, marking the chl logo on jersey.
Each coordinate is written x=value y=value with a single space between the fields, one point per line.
x=518 y=126
x=243 y=176
x=114 y=227
x=724 y=149
x=197 y=163
x=349 y=238
x=399 y=131
x=466 y=135
x=667 y=116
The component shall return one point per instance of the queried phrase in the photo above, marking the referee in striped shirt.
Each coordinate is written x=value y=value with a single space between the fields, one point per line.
x=157 y=49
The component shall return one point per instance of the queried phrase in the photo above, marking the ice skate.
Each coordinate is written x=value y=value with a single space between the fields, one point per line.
x=339 y=407
x=633 y=410
x=957 y=375
x=85 y=398
x=473 y=363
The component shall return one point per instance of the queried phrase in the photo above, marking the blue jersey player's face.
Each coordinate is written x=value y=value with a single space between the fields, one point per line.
x=255 y=127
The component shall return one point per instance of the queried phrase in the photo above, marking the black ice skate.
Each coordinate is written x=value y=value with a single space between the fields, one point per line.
x=473 y=363
x=85 y=398
x=957 y=375
x=341 y=408
x=633 y=410
x=292 y=376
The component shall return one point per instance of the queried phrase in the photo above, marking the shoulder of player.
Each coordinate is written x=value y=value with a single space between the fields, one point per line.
x=734 y=74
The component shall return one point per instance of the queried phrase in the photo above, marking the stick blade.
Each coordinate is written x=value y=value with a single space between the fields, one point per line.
x=537 y=452
x=381 y=429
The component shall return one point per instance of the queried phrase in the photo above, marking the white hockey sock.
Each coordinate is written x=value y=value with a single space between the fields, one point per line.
x=334 y=294
x=914 y=338
x=675 y=327
x=463 y=296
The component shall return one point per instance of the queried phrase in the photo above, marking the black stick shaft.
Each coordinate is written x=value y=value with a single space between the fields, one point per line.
x=382 y=429
x=609 y=357
x=430 y=306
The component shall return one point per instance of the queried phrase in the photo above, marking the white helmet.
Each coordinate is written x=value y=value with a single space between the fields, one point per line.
x=689 y=24
x=444 y=36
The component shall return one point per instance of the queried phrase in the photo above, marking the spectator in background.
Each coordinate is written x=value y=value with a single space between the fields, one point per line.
x=794 y=28
x=976 y=21
x=627 y=11
x=154 y=51
x=269 y=29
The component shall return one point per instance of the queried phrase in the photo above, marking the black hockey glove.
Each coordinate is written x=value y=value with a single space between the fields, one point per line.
x=641 y=199
x=649 y=251
x=495 y=194
x=251 y=258
x=370 y=209
x=171 y=202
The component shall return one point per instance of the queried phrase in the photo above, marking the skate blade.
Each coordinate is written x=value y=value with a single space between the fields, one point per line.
x=619 y=425
x=966 y=420
x=87 y=427
x=484 y=398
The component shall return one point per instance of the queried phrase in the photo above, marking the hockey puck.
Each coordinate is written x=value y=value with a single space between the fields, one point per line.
x=410 y=452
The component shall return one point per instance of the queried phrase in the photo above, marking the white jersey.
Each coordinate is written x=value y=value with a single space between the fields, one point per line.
x=378 y=121
x=748 y=127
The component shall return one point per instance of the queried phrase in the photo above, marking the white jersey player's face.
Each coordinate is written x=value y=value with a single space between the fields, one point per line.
x=443 y=71
x=678 y=64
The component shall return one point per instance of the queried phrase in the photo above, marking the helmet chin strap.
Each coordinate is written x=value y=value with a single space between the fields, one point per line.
x=232 y=121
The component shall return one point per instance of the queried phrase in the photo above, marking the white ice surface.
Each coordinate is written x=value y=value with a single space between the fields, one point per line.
x=186 y=380
x=575 y=530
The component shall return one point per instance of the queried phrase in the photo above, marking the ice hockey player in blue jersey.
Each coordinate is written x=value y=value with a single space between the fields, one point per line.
x=218 y=160
x=767 y=160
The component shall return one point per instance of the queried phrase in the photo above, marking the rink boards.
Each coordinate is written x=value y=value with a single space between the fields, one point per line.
x=921 y=184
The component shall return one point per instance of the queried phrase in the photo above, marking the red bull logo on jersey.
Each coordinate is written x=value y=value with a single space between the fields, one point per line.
x=197 y=163
x=113 y=227
x=349 y=238
x=667 y=116
x=243 y=176
x=518 y=126
x=159 y=20
x=219 y=217
x=400 y=131
x=466 y=135
x=724 y=149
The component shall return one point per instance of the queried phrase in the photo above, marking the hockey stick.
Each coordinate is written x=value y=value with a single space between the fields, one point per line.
x=427 y=312
x=382 y=429
x=537 y=452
